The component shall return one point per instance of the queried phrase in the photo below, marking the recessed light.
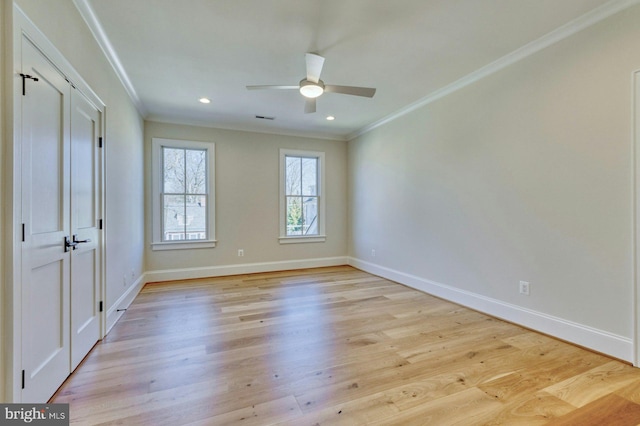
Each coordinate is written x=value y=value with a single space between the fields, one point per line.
x=330 y=117
x=205 y=100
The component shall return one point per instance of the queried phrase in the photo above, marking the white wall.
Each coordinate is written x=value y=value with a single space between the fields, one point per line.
x=247 y=204
x=61 y=23
x=524 y=175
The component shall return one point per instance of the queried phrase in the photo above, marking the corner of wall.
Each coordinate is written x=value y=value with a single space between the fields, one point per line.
x=4 y=139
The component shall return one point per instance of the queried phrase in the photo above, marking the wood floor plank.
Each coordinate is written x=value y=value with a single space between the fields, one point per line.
x=334 y=346
x=594 y=383
x=468 y=407
x=361 y=411
x=530 y=410
x=610 y=410
x=546 y=365
x=260 y=414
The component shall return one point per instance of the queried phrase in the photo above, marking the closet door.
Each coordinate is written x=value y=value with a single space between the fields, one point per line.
x=61 y=258
x=46 y=222
x=85 y=258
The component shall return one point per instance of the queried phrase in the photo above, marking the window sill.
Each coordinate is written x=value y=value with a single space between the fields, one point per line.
x=183 y=245
x=297 y=240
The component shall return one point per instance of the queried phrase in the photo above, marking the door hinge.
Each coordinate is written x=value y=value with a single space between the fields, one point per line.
x=100 y=142
x=69 y=81
x=22 y=379
x=24 y=77
x=23 y=233
x=100 y=224
x=101 y=306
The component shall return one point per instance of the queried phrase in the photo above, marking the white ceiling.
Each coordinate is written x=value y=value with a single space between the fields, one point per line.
x=174 y=52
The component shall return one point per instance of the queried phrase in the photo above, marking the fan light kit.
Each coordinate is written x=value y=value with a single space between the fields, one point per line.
x=312 y=87
x=309 y=89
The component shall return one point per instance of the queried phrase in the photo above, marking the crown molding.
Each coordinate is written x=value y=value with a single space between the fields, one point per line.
x=278 y=132
x=588 y=19
x=89 y=16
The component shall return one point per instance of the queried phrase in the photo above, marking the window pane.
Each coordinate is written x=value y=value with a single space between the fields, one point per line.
x=173 y=167
x=196 y=180
x=294 y=216
x=196 y=223
x=309 y=176
x=292 y=176
x=174 y=217
x=310 y=216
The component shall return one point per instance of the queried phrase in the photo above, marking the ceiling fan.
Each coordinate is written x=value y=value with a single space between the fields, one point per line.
x=312 y=87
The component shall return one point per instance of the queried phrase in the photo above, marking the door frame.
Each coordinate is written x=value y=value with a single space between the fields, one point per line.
x=22 y=26
x=635 y=250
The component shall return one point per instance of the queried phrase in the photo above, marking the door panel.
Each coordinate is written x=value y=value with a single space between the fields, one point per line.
x=83 y=313
x=46 y=293
x=46 y=156
x=85 y=262
x=45 y=210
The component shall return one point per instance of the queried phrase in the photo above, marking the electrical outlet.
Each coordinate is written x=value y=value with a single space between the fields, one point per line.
x=524 y=288
x=240 y=252
x=373 y=252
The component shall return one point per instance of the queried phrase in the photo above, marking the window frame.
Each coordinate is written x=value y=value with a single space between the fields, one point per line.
x=157 y=173
x=321 y=196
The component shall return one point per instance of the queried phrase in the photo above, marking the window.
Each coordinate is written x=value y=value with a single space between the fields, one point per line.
x=301 y=196
x=183 y=194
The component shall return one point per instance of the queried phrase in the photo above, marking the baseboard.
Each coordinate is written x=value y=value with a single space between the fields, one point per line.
x=598 y=340
x=116 y=310
x=244 y=268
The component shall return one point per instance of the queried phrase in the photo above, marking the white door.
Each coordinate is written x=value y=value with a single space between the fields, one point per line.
x=59 y=178
x=85 y=259
x=45 y=217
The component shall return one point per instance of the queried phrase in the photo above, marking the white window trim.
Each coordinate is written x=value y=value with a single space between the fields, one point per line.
x=321 y=236
x=156 y=173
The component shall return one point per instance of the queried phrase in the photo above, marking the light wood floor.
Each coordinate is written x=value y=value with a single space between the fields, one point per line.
x=335 y=346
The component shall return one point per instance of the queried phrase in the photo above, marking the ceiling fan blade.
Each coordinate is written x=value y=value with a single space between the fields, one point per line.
x=310 y=106
x=314 y=66
x=350 y=90
x=272 y=87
